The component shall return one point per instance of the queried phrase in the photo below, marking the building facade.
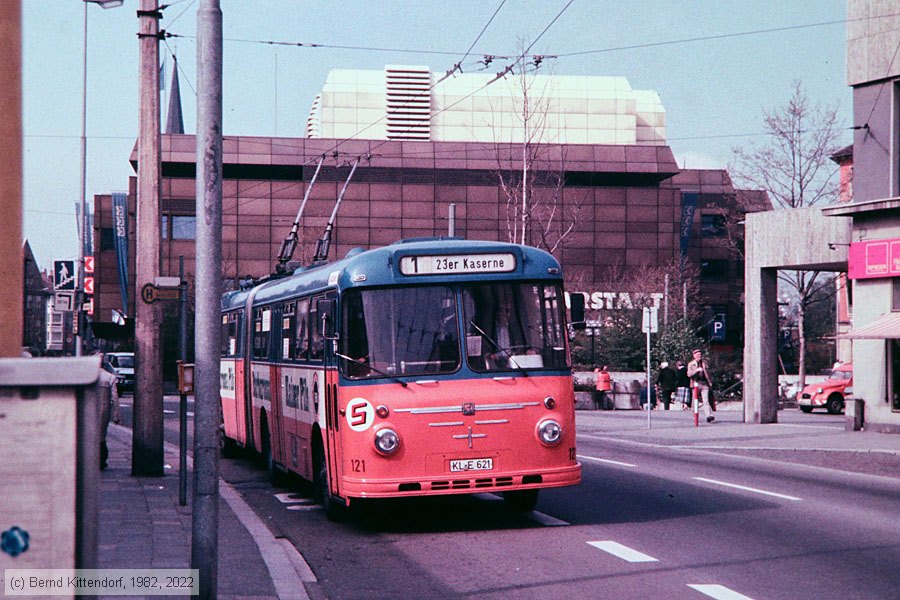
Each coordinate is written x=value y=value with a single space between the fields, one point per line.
x=612 y=209
x=873 y=71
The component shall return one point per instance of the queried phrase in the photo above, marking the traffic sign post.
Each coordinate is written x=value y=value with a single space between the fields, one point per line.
x=650 y=325
x=64 y=275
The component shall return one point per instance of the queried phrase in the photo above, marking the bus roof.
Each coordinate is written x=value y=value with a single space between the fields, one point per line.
x=408 y=262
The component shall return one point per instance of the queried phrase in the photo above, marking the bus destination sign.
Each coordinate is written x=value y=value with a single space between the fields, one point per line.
x=456 y=264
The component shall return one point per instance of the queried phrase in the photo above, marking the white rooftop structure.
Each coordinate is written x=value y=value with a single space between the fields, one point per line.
x=407 y=103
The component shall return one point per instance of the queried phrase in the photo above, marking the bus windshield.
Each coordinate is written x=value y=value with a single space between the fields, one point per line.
x=514 y=326
x=400 y=331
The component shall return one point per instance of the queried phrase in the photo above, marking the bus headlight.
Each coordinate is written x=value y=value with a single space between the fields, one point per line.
x=549 y=432
x=387 y=441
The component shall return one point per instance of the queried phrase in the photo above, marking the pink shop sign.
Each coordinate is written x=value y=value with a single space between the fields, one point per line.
x=874 y=258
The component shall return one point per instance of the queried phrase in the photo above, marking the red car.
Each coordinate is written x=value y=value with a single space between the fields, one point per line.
x=828 y=394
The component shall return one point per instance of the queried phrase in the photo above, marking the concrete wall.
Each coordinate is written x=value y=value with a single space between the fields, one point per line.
x=782 y=239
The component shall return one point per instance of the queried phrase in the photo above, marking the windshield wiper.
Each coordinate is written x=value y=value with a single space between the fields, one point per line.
x=371 y=368
x=509 y=358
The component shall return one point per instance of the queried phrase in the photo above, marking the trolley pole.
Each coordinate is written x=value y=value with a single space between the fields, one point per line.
x=207 y=292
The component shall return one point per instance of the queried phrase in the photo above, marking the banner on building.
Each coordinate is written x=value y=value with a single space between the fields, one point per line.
x=120 y=232
x=688 y=207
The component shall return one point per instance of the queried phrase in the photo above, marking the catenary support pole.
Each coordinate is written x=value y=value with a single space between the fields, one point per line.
x=11 y=263
x=207 y=290
x=147 y=437
x=182 y=401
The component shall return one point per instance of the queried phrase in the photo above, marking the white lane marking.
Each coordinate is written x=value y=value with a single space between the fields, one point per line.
x=719 y=592
x=534 y=515
x=747 y=489
x=303 y=507
x=605 y=460
x=291 y=498
x=623 y=552
x=547 y=520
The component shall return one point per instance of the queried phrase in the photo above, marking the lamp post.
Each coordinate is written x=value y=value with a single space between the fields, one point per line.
x=82 y=221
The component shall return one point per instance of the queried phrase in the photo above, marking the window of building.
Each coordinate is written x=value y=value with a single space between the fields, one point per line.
x=895 y=294
x=184 y=227
x=164 y=226
x=712 y=225
x=714 y=270
x=894 y=389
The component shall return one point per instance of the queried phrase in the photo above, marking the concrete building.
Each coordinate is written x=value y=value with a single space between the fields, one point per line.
x=861 y=237
x=873 y=71
x=412 y=103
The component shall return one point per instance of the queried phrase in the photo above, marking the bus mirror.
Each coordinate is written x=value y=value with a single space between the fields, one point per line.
x=327 y=309
x=576 y=310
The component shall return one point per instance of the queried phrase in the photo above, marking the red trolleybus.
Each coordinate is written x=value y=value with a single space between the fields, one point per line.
x=430 y=366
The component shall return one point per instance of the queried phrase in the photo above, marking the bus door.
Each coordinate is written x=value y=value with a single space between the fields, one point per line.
x=326 y=311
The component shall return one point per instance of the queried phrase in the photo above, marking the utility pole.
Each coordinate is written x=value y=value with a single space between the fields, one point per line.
x=208 y=291
x=11 y=259
x=147 y=439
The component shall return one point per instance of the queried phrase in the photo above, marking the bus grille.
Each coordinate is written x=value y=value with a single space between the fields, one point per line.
x=467 y=484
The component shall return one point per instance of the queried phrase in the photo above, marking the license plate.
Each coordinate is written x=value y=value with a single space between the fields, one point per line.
x=472 y=464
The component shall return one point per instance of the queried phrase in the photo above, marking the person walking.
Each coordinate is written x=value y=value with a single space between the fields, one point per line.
x=698 y=372
x=603 y=385
x=666 y=384
x=109 y=410
x=682 y=385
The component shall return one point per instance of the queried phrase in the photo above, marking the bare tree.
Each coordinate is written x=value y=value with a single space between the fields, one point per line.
x=794 y=167
x=538 y=212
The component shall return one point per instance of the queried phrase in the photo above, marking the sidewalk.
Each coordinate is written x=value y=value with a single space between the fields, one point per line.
x=143 y=526
x=676 y=428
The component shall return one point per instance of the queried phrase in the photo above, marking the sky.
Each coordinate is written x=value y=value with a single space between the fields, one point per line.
x=716 y=65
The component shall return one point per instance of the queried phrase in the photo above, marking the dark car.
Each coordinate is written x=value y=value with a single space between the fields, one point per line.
x=121 y=364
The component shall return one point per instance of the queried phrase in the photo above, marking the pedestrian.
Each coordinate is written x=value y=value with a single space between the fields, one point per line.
x=683 y=385
x=109 y=410
x=666 y=383
x=603 y=385
x=698 y=372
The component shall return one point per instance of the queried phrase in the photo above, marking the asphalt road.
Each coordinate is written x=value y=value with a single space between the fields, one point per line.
x=649 y=520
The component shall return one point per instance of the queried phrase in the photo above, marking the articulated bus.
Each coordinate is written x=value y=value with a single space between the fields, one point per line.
x=430 y=366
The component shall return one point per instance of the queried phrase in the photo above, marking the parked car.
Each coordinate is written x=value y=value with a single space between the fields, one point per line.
x=829 y=394
x=121 y=364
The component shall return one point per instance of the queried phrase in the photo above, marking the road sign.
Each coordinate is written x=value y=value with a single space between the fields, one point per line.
x=717 y=328
x=64 y=275
x=651 y=320
x=88 y=285
x=63 y=301
x=88 y=264
x=150 y=293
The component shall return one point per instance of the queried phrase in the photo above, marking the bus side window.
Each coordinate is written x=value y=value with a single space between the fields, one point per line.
x=262 y=331
x=301 y=334
x=230 y=334
x=288 y=325
x=317 y=342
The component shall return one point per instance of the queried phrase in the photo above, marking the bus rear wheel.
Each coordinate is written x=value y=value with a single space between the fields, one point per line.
x=521 y=500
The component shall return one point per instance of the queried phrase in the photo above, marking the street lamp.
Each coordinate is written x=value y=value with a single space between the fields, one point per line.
x=82 y=221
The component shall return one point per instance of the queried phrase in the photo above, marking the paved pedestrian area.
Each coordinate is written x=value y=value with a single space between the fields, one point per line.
x=143 y=526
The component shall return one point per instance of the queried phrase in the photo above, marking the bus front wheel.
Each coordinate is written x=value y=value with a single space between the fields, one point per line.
x=333 y=510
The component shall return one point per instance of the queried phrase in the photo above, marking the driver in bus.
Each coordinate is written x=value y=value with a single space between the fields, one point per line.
x=504 y=339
